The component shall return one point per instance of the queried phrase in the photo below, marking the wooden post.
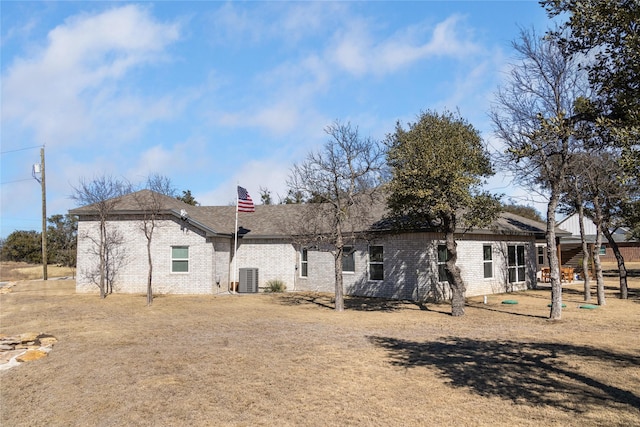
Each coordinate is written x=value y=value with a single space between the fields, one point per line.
x=44 y=217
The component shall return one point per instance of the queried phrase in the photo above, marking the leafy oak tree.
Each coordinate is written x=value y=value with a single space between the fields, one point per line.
x=605 y=35
x=62 y=234
x=25 y=246
x=437 y=167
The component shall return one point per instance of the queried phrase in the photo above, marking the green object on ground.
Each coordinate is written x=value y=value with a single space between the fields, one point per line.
x=588 y=306
x=509 y=301
x=563 y=305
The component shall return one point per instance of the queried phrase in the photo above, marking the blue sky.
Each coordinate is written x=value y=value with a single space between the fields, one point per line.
x=212 y=94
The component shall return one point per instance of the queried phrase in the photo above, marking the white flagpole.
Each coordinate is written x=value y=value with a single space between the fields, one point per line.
x=235 y=245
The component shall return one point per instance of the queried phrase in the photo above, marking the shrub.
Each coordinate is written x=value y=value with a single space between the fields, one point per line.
x=275 y=285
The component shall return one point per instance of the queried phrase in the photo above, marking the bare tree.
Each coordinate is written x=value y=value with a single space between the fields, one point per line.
x=341 y=180
x=102 y=194
x=115 y=259
x=151 y=204
x=533 y=116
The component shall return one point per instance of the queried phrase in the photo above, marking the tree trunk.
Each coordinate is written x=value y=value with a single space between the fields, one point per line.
x=585 y=257
x=598 y=266
x=622 y=270
x=552 y=254
x=339 y=297
x=453 y=272
x=598 y=220
x=103 y=255
x=149 y=234
x=150 y=276
x=339 y=305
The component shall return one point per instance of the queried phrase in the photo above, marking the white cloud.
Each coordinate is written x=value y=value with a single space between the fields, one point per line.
x=287 y=22
x=55 y=91
x=357 y=52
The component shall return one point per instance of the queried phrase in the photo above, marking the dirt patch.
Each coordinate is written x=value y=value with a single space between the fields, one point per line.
x=289 y=359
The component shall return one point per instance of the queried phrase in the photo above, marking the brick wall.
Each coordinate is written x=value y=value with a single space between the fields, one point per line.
x=274 y=259
x=629 y=251
x=411 y=271
x=207 y=258
x=410 y=263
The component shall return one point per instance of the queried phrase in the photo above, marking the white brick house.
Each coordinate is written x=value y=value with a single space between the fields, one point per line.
x=193 y=253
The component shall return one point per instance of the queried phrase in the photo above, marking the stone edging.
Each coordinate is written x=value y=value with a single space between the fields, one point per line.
x=24 y=348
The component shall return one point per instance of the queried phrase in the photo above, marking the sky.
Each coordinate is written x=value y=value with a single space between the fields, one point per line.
x=218 y=94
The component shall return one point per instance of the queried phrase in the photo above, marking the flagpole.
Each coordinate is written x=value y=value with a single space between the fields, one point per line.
x=235 y=245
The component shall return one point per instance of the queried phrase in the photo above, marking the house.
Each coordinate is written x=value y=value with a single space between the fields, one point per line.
x=571 y=245
x=193 y=253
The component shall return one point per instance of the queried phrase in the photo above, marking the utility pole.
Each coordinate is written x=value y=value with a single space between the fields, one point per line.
x=39 y=169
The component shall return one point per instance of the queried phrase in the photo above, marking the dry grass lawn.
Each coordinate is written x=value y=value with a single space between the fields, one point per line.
x=290 y=360
x=12 y=271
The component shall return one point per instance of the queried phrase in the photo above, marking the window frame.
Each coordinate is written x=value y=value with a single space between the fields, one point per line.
x=181 y=260
x=540 y=255
x=487 y=261
x=602 y=250
x=304 y=262
x=376 y=263
x=348 y=255
x=442 y=272
x=518 y=268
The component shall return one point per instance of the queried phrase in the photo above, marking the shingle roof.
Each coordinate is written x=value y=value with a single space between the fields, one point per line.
x=278 y=220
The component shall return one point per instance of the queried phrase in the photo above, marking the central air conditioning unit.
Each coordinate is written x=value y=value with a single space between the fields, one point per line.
x=248 y=280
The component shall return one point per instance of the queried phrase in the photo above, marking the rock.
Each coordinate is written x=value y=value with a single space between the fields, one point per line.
x=31 y=355
x=48 y=340
x=24 y=348
x=29 y=336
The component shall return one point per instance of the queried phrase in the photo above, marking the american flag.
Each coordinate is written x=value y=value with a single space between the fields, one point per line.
x=245 y=204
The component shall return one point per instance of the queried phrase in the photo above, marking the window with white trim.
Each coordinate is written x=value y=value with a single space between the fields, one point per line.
x=603 y=250
x=348 y=259
x=516 y=266
x=487 y=259
x=376 y=263
x=179 y=259
x=304 y=262
x=442 y=260
x=540 y=255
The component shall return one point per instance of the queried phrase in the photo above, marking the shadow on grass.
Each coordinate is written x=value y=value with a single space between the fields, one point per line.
x=525 y=373
x=353 y=302
x=481 y=306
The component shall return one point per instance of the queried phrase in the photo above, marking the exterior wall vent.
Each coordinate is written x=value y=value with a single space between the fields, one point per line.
x=248 y=280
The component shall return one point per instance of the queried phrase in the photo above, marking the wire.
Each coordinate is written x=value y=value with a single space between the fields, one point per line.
x=21 y=149
x=17 y=180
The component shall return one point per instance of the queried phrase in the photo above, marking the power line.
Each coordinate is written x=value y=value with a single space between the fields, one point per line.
x=17 y=180
x=21 y=149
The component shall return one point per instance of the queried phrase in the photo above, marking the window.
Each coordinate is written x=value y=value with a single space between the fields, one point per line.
x=179 y=259
x=376 y=264
x=487 y=258
x=304 y=263
x=540 y=255
x=348 y=260
x=603 y=250
x=442 y=259
x=515 y=254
